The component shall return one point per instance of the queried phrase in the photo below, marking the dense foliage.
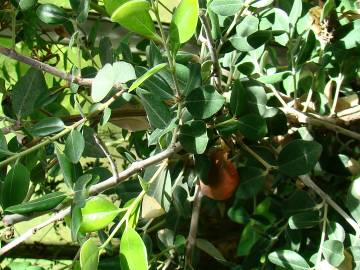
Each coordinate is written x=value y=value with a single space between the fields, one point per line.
x=219 y=134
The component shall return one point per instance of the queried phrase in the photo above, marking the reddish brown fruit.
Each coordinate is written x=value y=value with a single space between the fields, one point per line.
x=223 y=178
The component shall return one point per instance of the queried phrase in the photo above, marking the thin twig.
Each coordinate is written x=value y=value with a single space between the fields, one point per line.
x=191 y=240
x=310 y=183
x=323 y=234
x=212 y=50
x=339 y=81
x=106 y=152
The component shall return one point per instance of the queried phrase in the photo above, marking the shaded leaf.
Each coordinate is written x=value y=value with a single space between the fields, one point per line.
x=47 y=126
x=289 y=260
x=193 y=137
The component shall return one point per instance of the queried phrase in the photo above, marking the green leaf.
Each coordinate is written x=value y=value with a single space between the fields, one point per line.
x=238 y=99
x=26 y=4
x=289 y=260
x=204 y=102
x=26 y=91
x=299 y=157
x=193 y=137
x=133 y=255
x=307 y=49
x=352 y=203
x=47 y=126
x=4 y=151
x=147 y=75
x=333 y=251
x=81 y=7
x=329 y=5
x=274 y=78
x=335 y=231
x=252 y=42
x=261 y=3
x=106 y=52
x=253 y=126
x=134 y=15
x=68 y=169
x=304 y=220
x=97 y=213
x=226 y=7
x=15 y=186
x=157 y=112
x=185 y=19
x=74 y=146
x=295 y=13
x=89 y=255
x=44 y=203
x=124 y=72
x=112 y=5
x=252 y=181
x=102 y=83
x=210 y=249
x=51 y=14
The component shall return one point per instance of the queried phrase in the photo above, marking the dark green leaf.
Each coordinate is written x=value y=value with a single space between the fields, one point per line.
x=203 y=102
x=252 y=181
x=74 y=146
x=238 y=99
x=289 y=260
x=51 y=14
x=157 y=112
x=16 y=185
x=47 y=126
x=304 y=220
x=26 y=91
x=193 y=137
x=307 y=49
x=106 y=52
x=145 y=76
x=210 y=249
x=299 y=157
x=253 y=126
x=133 y=253
x=44 y=203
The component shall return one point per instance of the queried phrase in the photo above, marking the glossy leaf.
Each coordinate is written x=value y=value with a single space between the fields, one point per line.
x=204 y=102
x=112 y=5
x=44 y=203
x=47 y=126
x=157 y=112
x=184 y=20
x=26 y=91
x=133 y=255
x=15 y=186
x=51 y=14
x=193 y=137
x=333 y=251
x=289 y=260
x=74 y=146
x=89 y=255
x=147 y=75
x=134 y=15
x=299 y=157
x=253 y=126
x=97 y=213
x=226 y=7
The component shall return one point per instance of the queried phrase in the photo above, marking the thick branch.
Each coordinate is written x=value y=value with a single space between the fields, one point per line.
x=44 y=67
x=109 y=183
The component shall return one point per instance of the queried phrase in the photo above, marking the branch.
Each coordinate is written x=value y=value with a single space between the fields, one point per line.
x=106 y=152
x=212 y=50
x=44 y=67
x=109 y=183
x=310 y=183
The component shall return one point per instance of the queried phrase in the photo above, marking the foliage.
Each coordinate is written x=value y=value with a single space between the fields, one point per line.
x=271 y=84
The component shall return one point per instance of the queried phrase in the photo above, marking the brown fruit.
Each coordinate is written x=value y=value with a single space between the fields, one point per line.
x=223 y=177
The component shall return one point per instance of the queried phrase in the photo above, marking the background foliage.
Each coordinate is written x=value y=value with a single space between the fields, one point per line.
x=218 y=134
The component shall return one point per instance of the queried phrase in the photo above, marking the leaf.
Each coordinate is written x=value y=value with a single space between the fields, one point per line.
x=299 y=157
x=68 y=170
x=89 y=255
x=134 y=15
x=226 y=7
x=106 y=52
x=157 y=112
x=133 y=255
x=204 y=102
x=289 y=260
x=352 y=203
x=295 y=13
x=193 y=137
x=335 y=231
x=261 y=3
x=74 y=146
x=15 y=186
x=47 y=126
x=81 y=7
x=253 y=127
x=112 y=5
x=26 y=91
x=97 y=213
x=151 y=208
x=329 y=5
x=238 y=99
x=185 y=19
x=252 y=181
x=210 y=249
x=4 y=151
x=252 y=42
x=102 y=83
x=26 y=4
x=274 y=78
x=147 y=75
x=333 y=251
x=307 y=49
x=304 y=220
x=124 y=72
x=44 y=203
x=51 y=14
